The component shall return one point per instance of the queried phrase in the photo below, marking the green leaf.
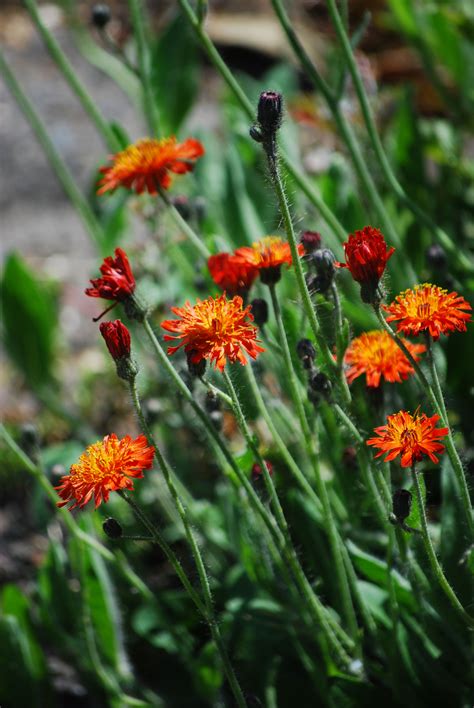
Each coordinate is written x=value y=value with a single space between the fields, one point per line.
x=19 y=685
x=375 y=570
x=100 y=597
x=175 y=74
x=29 y=322
x=414 y=519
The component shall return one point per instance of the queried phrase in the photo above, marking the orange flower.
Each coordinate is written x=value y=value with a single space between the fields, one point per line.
x=106 y=466
x=230 y=273
x=270 y=252
x=376 y=355
x=429 y=308
x=410 y=436
x=147 y=164
x=216 y=329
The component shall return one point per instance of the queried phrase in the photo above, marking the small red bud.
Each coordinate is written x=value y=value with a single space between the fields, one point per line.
x=117 y=339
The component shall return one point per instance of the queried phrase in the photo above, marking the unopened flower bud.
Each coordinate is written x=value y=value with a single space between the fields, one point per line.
x=436 y=257
x=320 y=384
x=117 y=338
x=257 y=471
x=30 y=440
x=311 y=241
x=112 y=528
x=324 y=263
x=349 y=457
x=212 y=402
x=269 y=112
x=195 y=368
x=271 y=275
x=182 y=205
x=256 y=134
x=306 y=352
x=100 y=15
x=259 y=311
x=401 y=502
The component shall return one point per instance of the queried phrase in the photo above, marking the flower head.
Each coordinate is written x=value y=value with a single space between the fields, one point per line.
x=148 y=163
x=117 y=281
x=231 y=274
x=429 y=308
x=410 y=436
x=117 y=339
x=366 y=256
x=106 y=466
x=376 y=355
x=267 y=256
x=216 y=329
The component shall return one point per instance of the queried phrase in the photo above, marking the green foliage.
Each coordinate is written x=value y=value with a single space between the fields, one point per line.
x=29 y=322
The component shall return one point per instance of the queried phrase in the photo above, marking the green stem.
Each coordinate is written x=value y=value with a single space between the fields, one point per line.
x=301 y=180
x=288 y=551
x=203 y=577
x=340 y=345
x=184 y=226
x=341 y=122
x=144 y=67
x=438 y=406
x=435 y=566
x=68 y=519
x=59 y=166
x=72 y=79
x=166 y=548
x=270 y=150
x=334 y=540
x=386 y=168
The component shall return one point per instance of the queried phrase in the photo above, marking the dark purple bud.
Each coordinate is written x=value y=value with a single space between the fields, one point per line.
x=401 y=502
x=311 y=241
x=306 y=352
x=259 y=311
x=100 y=15
x=269 y=112
x=112 y=528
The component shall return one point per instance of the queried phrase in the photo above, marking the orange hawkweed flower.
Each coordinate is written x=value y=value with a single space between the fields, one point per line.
x=106 y=466
x=376 y=355
x=429 y=308
x=216 y=329
x=410 y=436
x=267 y=256
x=147 y=164
x=231 y=274
x=366 y=257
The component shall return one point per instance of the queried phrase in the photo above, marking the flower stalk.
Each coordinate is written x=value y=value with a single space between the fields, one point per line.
x=433 y=559
x=208 y=609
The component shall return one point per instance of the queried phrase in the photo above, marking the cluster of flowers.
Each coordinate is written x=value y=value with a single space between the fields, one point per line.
x=221 y=330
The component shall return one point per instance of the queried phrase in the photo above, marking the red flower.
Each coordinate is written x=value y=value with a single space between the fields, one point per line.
x=106 y=466
x=429 y=308
x=147 y=164
x=230 y=273
x=117 y=339
x=117 y=281
x=257 y=471
x=216 y=329
x=366 y=255
x=410 y=436
x=267 y=256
